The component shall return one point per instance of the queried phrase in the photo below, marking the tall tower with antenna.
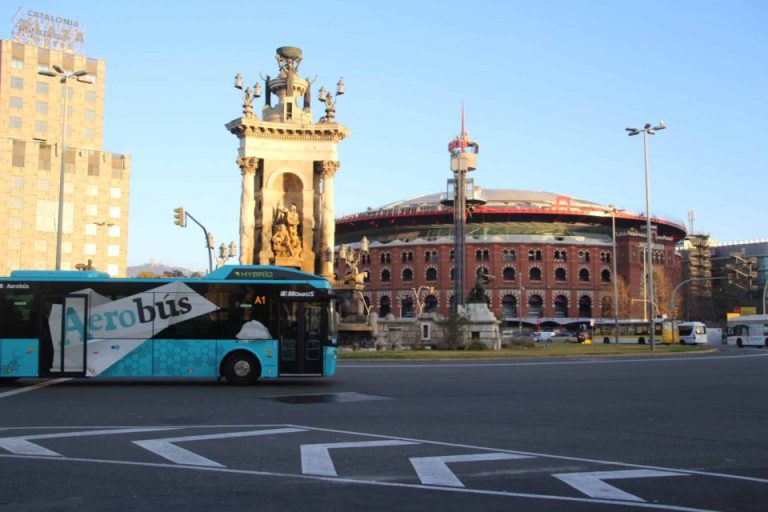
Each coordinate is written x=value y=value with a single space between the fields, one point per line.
x=463 y=160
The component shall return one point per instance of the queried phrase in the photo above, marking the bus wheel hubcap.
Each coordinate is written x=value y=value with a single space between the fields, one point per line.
x=242 y=368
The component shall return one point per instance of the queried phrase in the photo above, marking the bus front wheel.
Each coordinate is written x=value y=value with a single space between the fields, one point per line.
x=241 y=368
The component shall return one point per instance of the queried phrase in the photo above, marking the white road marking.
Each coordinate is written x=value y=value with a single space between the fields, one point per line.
x=435 y=471
x=37 y=386
x=315 y=459
x=374 y=483
x=20 y=444
x=593 y=486
x=166 y=449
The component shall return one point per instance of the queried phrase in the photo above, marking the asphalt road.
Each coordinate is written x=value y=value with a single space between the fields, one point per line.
x=654 y=433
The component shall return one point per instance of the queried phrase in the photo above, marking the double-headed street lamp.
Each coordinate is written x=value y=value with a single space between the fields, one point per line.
x=80 y=76
x=648 y=129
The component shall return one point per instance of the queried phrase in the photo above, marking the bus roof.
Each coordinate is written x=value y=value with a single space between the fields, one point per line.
x=224 y=273
x=64 y=275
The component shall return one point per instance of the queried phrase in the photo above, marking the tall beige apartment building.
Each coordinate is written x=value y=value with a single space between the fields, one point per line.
x=96 y=186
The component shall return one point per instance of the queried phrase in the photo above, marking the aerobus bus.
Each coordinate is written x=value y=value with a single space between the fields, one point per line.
x=241 y=323
x=748 y=330
x=636 y=331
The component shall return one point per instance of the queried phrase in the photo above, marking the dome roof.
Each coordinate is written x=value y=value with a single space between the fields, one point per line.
x=498 y=197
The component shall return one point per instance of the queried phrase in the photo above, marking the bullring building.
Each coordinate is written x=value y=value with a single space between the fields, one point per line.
x=551 y=256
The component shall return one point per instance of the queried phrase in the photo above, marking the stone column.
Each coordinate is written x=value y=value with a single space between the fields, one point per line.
x=327 y=170
x=248 y=167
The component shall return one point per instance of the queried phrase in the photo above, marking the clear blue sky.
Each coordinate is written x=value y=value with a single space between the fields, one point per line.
x=548 y=89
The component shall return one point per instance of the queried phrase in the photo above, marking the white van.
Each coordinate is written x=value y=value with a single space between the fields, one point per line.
x=692 y=333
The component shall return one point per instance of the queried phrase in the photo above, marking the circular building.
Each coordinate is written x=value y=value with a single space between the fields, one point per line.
x=551 y=257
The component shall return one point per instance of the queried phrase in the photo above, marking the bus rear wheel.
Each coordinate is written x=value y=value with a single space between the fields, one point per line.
x=739 y=343
x=241 y=368
x=641 y=341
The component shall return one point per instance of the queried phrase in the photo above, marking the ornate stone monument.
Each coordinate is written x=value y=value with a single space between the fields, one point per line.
x=288 y=164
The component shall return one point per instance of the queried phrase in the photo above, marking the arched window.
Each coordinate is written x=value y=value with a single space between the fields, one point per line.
x=406 y=256
x=585 y=307
x=478 y=255
x=583 y=256
x=453 y=273
x=385 y=257
x=384 y=306
x=508 y=274
x=584 y=275
x=561 y=255
x=431 y=274
x=451 y=255
x=560 y=274
x=508 y=255
x=561 y=306
x=486 y=255
x=430 y=304
x=386 y=275
x=605 y=276
x=430 y=256
x=407 y=274
x=407 y=307
x=509 y=306
x=535 y=306
x=534 y=274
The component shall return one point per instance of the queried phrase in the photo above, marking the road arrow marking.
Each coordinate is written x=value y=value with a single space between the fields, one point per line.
x=593 y=486
x=166 y=449
x=315 y=459
x=434 y=470
x=21 y=446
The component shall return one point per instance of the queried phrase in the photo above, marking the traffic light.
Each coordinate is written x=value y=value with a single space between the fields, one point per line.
x=179 y=217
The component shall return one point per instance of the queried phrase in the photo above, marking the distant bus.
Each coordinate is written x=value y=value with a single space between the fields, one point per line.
x=635 y=331
x=692 y=333
x=238 y=322
x=748 y=330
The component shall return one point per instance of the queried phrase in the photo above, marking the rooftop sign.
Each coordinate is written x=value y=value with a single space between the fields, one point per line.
x=47 y=30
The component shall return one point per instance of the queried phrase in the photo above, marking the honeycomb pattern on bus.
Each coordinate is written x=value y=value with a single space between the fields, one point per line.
x=184 y=357
x=137 y=363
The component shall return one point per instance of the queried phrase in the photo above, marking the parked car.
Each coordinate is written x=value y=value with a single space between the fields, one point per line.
x=545 y=336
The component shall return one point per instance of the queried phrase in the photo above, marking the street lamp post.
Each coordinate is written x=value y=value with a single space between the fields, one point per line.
x=615 y=278
x=648 y=129
x=81 y=76
x=765 y=290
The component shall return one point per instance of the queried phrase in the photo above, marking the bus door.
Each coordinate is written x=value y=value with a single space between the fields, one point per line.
x=301 y=337
x=64 y=355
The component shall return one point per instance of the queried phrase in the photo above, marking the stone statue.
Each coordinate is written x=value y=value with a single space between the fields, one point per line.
x=286 y=240
x=280 y=242
x=477 y=293
x=239 y=81
x=308 y=95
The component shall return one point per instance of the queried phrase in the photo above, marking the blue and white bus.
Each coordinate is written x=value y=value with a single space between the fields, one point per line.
x=238 y=322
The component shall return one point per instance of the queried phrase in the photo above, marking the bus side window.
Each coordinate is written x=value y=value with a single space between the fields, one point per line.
x=17 y=318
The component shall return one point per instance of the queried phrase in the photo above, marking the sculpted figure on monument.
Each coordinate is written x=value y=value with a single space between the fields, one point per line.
x=477 y=293
x=280 y=241
x=286 y=241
